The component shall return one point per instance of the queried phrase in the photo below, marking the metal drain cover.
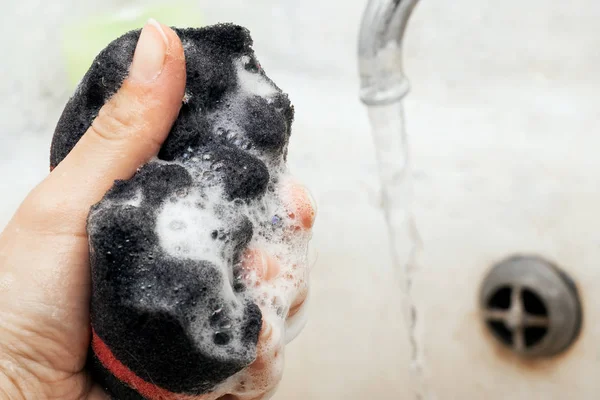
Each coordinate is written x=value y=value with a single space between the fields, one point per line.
x=531 y=306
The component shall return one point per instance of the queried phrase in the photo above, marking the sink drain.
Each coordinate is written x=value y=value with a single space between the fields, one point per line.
x=531 y=306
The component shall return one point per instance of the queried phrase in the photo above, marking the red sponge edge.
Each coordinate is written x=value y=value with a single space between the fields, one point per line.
x=125 y=375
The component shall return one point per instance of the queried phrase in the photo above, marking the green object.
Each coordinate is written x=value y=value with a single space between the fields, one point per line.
x=85 y=39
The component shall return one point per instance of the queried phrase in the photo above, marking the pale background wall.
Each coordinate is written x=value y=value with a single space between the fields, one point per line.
x=504 y=128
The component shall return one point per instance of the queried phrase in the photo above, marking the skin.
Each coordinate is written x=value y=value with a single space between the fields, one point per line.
x=44 y=262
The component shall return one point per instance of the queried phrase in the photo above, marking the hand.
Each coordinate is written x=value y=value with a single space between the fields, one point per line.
x=44 y=261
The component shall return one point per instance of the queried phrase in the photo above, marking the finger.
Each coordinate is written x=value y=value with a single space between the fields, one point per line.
x=263 y=375
x=298 y=303
x=128 y=131
x=300 y=205
x=258 y=268
x=258 y=264
x=296 y=317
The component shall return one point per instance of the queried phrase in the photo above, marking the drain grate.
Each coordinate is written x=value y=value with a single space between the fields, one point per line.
x=517 y=316
x=531 y=306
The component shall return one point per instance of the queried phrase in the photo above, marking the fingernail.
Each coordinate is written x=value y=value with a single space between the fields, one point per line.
x=150 y=53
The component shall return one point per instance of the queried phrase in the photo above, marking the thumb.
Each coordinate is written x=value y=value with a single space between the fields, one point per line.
x=129 y=130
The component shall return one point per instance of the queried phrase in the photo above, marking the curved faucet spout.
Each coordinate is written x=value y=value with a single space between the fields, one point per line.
x=382 y=79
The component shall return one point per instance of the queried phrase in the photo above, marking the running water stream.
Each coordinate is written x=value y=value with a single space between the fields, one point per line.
x=383 y=87
x=393 y=157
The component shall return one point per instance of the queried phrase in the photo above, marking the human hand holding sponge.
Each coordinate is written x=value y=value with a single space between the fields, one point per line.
x=199 y=260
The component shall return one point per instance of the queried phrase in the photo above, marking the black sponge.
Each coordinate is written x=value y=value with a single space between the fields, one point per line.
x=170 y=314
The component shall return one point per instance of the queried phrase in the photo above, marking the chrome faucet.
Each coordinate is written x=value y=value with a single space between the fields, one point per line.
x=382 y=78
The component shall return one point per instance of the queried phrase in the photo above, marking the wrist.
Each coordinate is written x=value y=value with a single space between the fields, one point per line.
x=17 y=381
x=12 y=378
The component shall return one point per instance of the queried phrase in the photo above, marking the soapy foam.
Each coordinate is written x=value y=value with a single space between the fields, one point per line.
x=188 y=226
x=184 y=232
x=272 y=234
x=184 y=229
x=251 y=83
